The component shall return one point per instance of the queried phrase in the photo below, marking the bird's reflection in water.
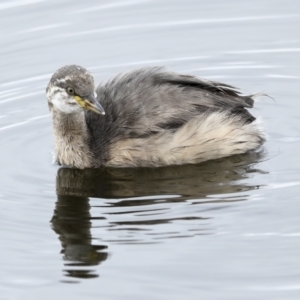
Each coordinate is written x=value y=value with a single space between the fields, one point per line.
x=208 y=182
x=72 y=222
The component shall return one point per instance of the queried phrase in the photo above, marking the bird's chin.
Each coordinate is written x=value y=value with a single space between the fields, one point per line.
x=68 y=108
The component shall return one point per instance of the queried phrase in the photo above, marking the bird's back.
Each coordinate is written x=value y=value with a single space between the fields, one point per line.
x=155 y=117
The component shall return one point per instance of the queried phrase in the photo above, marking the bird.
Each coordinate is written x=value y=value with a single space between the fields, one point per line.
x=148 y=117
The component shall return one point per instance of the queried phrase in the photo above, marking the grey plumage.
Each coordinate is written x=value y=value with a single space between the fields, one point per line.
x=155 y=118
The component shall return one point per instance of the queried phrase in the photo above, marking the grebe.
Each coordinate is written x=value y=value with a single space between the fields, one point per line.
x=147 y=118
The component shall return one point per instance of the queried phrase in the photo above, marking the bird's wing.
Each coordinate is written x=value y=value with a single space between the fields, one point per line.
x=150 y=100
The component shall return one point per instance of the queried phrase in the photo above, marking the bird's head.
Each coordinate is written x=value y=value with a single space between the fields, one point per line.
x=71 y=89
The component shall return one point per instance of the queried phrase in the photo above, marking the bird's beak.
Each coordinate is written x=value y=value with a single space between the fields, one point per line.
x=90 y=103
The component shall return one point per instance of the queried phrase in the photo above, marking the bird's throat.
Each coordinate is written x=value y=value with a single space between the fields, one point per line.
x=71 y=139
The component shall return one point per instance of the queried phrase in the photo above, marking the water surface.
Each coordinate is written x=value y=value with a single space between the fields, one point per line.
x=227 y=229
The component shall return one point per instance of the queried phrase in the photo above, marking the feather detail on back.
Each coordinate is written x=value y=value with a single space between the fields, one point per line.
x=152 y=107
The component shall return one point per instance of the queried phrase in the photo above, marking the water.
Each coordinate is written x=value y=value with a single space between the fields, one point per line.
x=227 y=229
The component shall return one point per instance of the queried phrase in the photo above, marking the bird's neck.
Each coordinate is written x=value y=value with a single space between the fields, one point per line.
x=71 y=138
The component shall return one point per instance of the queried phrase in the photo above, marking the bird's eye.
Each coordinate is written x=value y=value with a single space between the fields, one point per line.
x=70 y=91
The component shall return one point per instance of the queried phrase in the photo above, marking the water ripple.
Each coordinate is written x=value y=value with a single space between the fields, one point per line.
x=30 y=120
x=11 y=4
x=182 y=23
x=110 y=6
x=152 y=61
x=45 y=27
x=258 y=51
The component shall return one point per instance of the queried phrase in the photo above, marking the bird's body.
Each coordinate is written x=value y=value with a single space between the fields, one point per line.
x=152 y=118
